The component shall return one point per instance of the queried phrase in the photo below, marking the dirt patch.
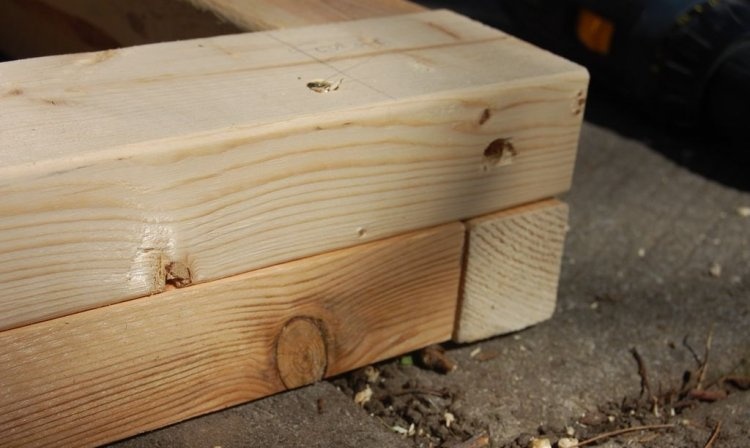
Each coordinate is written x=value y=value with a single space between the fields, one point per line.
x=417 y=410
x=418 y=406
x=676 y=416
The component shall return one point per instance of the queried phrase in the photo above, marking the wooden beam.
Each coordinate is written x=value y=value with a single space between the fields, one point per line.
x=512 y=269
x=219 y=156
x=30 y=28
x=257 y=15
x=109 y=373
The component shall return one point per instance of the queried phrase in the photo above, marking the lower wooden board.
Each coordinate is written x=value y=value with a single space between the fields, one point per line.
x=108 y=373
x=512 y=269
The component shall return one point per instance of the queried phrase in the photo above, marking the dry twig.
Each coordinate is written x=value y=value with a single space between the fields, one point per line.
x=704 y=365
x=714 y=436
x=645 y=387
x=618 y=432
x=437 y=393
x=480 y=440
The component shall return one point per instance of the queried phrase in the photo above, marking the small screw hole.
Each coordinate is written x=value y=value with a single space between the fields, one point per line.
x=323 y=86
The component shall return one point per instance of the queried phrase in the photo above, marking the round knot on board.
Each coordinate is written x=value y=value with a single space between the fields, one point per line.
x=301 y=352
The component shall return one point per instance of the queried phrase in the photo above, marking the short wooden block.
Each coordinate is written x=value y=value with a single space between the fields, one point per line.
x=132 y=170
x=109 y=373
x=512 y=269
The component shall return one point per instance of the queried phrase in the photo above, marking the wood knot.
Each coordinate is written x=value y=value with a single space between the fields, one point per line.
x=301 y=352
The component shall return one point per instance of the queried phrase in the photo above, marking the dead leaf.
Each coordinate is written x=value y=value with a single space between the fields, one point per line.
x=434 y=358
x=708 y=395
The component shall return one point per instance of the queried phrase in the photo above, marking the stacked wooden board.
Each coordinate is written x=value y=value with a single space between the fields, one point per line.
x=190 y=225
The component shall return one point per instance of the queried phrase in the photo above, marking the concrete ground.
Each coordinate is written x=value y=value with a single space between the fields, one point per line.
x=657 y=256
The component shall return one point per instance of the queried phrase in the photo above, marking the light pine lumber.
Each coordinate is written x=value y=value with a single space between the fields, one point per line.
x=30 y=28
x=108 y=373
x=512 y=267
x=212 y=156
x=258 y=15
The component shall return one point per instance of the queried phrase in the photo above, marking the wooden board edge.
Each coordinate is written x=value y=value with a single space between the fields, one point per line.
x=511 y=269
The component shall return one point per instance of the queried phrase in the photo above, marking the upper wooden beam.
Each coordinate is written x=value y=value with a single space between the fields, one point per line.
x=272 y=14
x=131 y=169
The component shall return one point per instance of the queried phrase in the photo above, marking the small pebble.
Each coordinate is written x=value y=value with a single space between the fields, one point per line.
x=363 y=396
x=411 y=431
x=641 y=252
x=715 y=270
x=540 y=443
x=743 y=211
x=399 y=430
x=449 y=419
x=475 y=352
x=567 y=442
x=372 y=374
x=571 y=431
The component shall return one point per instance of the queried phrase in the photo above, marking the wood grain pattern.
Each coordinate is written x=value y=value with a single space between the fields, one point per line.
x=108 y=373
x=271 y=14
x=215 y=156
x=512 y=269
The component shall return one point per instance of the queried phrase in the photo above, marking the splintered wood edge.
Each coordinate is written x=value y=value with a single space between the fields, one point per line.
x=511 y=269
x=109 y=373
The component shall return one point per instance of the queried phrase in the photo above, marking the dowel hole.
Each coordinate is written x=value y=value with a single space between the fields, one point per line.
x=499 y=152
x=323 y=86
x=361 y=232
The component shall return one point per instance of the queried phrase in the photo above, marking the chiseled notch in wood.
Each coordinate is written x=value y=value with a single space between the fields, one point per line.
x=134 y=170
x=511 y=270
x=108 y=373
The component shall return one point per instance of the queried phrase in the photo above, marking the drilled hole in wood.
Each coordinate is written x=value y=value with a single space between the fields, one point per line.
x=361 y=231
x=498 y=153
x=323 y=86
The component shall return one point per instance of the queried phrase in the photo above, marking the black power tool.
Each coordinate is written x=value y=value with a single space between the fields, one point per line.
x=687 y=61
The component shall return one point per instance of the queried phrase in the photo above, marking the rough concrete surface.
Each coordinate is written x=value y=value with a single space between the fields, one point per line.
x=314 y=416
x=652 y=216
